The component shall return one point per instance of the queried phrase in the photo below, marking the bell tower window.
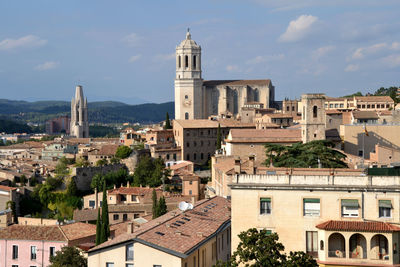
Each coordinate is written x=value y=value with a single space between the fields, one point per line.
x=315 y=110
x=186 y=61
x=179 y=61
x=194 y=62
x=186 y=115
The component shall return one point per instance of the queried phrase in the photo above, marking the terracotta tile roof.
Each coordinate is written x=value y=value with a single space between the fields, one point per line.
x=364 y=114
x=265 y=136
x=139 y=191
x=7 y=188
x=197 y=123
x=212 y=83
x=180 y=165
x=375 y=98
x=279 y=115
x=107 y=150
x=164 y=232
x=332 y=111
x=31 y=232
x=358 y=226
x=78 y=230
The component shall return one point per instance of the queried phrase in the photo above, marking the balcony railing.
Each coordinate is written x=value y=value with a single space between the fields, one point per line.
x=337 y=254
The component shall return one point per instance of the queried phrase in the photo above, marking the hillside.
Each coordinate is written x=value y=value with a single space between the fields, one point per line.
x=99 y=112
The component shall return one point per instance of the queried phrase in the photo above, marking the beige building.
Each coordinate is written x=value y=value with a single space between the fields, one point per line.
x=198 y=99
x=279 y=119
x=198 y=138
x=360 y=103
x=162 y=145
x=384 y=156
x=175 y=239
x=341 y=217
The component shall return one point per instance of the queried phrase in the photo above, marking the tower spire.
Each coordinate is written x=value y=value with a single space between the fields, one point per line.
x=188 y=35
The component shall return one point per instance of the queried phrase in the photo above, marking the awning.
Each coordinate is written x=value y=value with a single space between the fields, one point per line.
x=385 y=204
x=350 y=203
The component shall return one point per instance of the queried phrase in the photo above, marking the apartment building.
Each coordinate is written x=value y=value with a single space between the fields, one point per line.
x=341 y=217
x=360 y=103
x=162 y=145
x=191 y=238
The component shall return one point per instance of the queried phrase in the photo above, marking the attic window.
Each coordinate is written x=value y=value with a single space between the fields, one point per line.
x=186 y=219
x=159 y=233
x=181 y=222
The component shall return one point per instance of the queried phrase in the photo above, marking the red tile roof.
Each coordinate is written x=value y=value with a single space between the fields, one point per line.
x=139 y=191
x=78 y=230
x=358 y=226
x=32 y=232
x=7 y=188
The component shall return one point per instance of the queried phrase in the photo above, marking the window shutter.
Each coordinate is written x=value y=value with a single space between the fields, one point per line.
x=350 y=203
x=265 y=199
x=311 y=200
x=385 y=204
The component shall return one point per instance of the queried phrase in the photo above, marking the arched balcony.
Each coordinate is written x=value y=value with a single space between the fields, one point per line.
x=358 y=247
x=336 y=246
x=379 y=247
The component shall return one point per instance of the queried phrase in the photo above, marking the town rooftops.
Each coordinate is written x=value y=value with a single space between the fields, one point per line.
x=225 y=123
x=48 y=233
x=264 y=136
x=358 y=226
x=139 y=191
x=180 y=233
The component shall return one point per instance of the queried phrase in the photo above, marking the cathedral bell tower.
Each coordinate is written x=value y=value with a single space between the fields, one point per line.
x=79 y=115
x=188 y=82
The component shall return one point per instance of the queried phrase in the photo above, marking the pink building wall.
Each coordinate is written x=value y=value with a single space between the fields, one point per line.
x=24 y=252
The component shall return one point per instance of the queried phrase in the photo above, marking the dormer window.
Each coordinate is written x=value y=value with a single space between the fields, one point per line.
x=133 y=198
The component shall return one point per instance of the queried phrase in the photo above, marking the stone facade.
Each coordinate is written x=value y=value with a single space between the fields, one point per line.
x=84 y=175
x=313 y=117
x=198 y=99
x=79 y=115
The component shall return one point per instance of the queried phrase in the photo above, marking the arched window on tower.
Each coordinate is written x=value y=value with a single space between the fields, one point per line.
x=315 y=111
x=194 y=62
x=186 y=115
x=179 y=62
x=186 y=61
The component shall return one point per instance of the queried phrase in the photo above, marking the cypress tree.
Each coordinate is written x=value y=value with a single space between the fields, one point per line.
x=219 y=137
x=98 y=227
x=167 y=123
x=162 y=206
x=155 y=204
x=105 y=226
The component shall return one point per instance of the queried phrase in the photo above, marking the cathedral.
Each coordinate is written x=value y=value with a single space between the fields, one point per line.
x=196 y=98
x=79 y=115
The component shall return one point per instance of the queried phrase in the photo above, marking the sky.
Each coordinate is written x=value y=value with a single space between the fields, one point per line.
x=124 y=50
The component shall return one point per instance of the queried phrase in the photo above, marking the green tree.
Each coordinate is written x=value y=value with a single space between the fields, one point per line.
x=23 y=180
x=68 y=256
x=98 y=228
x=97 y=182
x=101 y=162
x=105 y=226
x=162 y=206
x=62 y=168
x=123 y=152
x=115 y=160
x=81 y=162
x=167 y=122
x=149 y=172
x=299 y=258
x=72 y=189
x=154 y=208
x=219 y=137
x=299 y=155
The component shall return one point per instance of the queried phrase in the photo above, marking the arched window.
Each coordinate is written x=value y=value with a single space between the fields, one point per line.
x=194 y=156
x=186 y=97
x=186 y=61
x=187 y=157
x=194 y=62
x=186 y=116
x=315 y=111
x=287 y=108
x=179 y=61
x=201 y=156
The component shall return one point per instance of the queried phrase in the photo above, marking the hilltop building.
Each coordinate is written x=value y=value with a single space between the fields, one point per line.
x=199 y=99
x=79 y=115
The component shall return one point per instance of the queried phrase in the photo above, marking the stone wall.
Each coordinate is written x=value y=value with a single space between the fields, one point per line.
x=84 y=175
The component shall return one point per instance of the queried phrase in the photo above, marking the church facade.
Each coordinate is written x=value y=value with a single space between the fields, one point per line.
x=196 y=98
x=79 y=115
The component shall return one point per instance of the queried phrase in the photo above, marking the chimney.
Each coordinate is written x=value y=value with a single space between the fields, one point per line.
x=237 y=167
x=251 y=164
x=130 y=228
x=128 y=184
x=193 y=200
x=115 y=187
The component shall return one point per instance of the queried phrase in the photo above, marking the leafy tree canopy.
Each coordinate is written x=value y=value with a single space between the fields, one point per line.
x=123 y=152
x=306 y=155
x=149 y=172
x=68 y=256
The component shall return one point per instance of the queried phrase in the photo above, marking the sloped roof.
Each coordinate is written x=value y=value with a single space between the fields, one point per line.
x=265 y=136
x=384 y=98
x=364 y=114
x=358 y=226
x=32 y=232
x=78 y=230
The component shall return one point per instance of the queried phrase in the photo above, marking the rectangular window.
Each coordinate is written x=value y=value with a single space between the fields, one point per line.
x=15 y=252
x=265 y=205
x=110 y=264
x=129 y=252
x=350 y=207
x=385 y=209
x=125 y=217
x=115 y=217
x=157 y=265
x=92 y=204
x=33 y=252
x=312 y=243
x=14 y=265
x=129 y=265
x=52 y=251
x=133 y=198
x=311 y=206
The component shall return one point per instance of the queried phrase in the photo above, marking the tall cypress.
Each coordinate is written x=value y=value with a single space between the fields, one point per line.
x=162 y=206
x=98 y=227
x=154 y=209
x=167 y=122
x=105 y=225
x=219 y=137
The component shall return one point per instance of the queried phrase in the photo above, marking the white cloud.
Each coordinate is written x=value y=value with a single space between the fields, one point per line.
x=352 y=67
x=392 y=60
x=26 y=41
x=395 y=46
x=232 y=68
x=48 y=65
x=361 y=52
x=298 y=29
x=322 y=51
x=132 y=39
x=165 y=57
x=134 y=58
x=261 y=59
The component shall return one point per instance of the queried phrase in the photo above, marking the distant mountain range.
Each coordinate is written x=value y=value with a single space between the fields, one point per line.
x=99 y=112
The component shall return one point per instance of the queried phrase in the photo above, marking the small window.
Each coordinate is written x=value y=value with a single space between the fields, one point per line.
x=52 y=251
x=15 y=252
x=187 y=156
x=194 y=61
x=186 y=116
x=265 y=205
x=133 y=198
x=33 y=252
x=92 y=203
x=115 y=217
x=312 y=243
x=129 y=252
x=190 y=192
x=186 y=61
x=385 y=209
x=179 y=61
x=350 y=207
x=315 y=112
x=311 y=207
x=110 y=264
x=186 y=97
x=125 y=217
x=194 y=156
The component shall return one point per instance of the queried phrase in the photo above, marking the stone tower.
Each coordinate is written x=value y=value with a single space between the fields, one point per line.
x=312 y=117
x=79 y=115
x=188 y=81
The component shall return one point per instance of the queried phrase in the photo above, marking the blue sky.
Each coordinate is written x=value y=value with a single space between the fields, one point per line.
x=124 y=50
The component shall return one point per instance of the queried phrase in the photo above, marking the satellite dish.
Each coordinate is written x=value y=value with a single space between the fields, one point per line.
x=190 y=206
x=183 y=205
